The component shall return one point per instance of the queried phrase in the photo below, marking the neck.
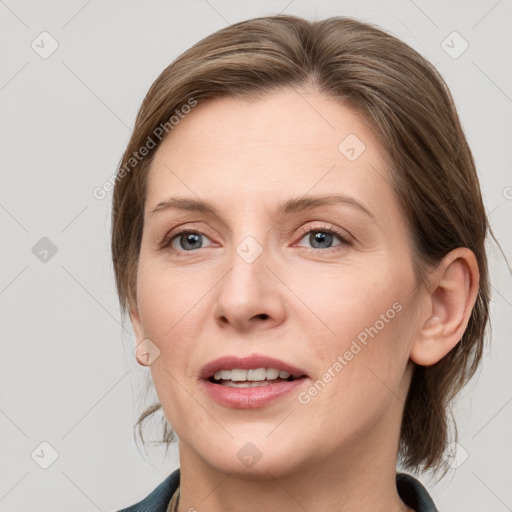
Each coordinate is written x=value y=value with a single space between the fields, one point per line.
x=366 y=484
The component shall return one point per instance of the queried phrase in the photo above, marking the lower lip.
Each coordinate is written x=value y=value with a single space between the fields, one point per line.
x=252 y=397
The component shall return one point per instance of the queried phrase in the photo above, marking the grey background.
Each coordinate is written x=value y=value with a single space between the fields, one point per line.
x=68 y=375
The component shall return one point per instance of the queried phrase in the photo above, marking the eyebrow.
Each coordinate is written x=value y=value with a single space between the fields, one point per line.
x=292 y=205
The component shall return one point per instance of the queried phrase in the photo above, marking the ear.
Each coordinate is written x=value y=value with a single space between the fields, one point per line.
x=136 y=323
x=138 y=330
x=453 y=288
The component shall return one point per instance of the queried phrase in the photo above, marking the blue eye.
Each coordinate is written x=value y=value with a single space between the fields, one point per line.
x=187 y=239
x=322 y=238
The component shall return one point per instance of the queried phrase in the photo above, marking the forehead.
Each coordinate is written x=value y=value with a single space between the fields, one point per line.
x=285 y=144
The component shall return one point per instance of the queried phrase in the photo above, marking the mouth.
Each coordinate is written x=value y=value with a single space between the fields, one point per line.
x=240 y=378
x=251 y=381
x=251 y=368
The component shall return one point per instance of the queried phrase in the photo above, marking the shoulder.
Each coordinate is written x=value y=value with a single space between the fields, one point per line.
x=159 y=498
x=413 y=493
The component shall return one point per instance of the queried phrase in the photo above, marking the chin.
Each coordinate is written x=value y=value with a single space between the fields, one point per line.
x=259 y=460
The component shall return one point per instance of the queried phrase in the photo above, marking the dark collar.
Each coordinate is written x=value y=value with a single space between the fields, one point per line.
x=411 y=491
x=413 y=494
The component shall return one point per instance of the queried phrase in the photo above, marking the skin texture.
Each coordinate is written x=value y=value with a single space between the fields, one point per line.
x=300 y=301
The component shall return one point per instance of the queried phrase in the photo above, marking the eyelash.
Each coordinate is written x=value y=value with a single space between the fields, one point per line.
x=167 y=241
x=324 y=229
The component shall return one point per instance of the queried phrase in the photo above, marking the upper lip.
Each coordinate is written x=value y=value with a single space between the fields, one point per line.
x=252 y=361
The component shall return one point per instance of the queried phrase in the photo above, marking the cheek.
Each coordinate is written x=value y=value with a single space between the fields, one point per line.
x=170 y=301
x=353 y=303
x=358 y=373
x=172 y=315
x=171 y=310
x=366 y=331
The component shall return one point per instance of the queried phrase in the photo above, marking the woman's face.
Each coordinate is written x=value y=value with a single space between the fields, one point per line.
x=264 y=275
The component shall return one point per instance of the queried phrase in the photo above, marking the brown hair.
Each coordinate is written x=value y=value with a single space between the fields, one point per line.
x=408 y=105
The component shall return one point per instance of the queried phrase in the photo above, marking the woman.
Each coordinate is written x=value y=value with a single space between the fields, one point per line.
x=298 y=237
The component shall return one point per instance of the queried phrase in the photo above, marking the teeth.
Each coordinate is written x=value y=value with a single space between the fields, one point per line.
x=238 y=375
x=253 y=375
x=272 y=373
x=245 y=384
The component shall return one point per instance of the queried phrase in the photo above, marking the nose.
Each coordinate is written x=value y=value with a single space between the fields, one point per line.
x=249 y=296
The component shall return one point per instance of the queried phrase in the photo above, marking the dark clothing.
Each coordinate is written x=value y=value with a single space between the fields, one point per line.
x=410 y=490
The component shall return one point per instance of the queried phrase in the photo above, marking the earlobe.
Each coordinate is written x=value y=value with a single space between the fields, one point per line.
x=453 y=290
